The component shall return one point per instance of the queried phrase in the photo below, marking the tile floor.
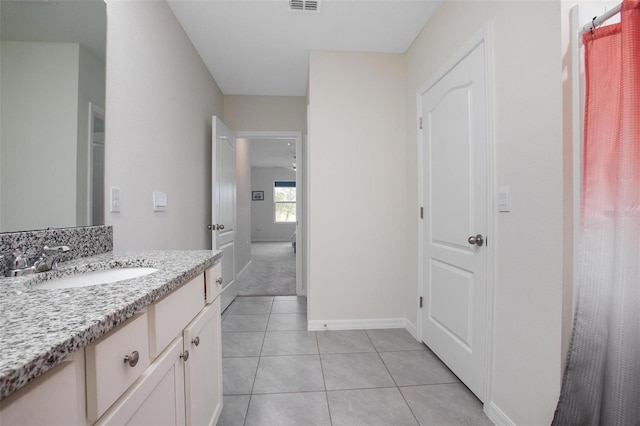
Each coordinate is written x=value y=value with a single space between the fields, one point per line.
x=275 y=373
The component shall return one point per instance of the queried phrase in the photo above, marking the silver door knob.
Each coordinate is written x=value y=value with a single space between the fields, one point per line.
x=477 y=240
x=184 y=355
x=219 y=281
x=196 y=341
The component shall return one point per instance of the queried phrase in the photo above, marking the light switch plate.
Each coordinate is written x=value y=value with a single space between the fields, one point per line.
x=504 y=199
x=114 y=203
x=159 y=201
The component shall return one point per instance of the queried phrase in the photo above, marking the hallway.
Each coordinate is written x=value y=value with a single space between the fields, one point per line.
x=275 y=373
x=272 y=271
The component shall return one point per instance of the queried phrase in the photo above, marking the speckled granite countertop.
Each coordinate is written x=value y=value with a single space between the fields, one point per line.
x=40 y=328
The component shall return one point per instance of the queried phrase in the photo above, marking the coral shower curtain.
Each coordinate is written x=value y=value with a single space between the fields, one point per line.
x=601 y=384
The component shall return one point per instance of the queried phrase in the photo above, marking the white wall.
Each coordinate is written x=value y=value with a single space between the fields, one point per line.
x=160 y=99
x=265 y=113
x=357 y=186
x=527 y=99
x=263 y=227
x=39 y=135
x=242 y=243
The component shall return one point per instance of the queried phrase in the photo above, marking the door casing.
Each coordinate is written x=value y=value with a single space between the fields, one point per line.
x=301 y=195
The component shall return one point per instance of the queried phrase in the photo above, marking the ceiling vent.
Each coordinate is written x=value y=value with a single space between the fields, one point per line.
x=304 y=5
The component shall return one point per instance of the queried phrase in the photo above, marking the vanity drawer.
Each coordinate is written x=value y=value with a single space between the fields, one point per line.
x=109 y=373
x=169 y=316
x=212 y=282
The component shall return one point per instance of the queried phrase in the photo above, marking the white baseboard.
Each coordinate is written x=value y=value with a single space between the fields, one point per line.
x=496 y=415
x=359 y=324
x=411 y=328
x=245 y=269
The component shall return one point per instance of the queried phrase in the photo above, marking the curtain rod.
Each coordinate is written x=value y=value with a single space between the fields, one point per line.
x=599 y=20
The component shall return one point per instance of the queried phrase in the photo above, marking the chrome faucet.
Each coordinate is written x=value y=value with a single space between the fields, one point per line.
x=18 y=263
x=49 y=257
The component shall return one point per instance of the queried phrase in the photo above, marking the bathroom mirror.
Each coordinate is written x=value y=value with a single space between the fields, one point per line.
x=52 y=91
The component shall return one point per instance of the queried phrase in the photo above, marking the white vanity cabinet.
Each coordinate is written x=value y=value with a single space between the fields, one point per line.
x=157 y=398
x=163 y=366
x=203 y=374
x=183 y=383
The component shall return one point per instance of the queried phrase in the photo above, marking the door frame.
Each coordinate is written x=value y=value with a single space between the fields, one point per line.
x=301 y=196
x=482 y=37
x=94 y=110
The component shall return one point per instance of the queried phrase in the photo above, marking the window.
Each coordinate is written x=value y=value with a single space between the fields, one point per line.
x=284 y=200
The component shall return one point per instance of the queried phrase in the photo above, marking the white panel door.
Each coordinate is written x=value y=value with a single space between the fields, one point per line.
x=454 y=163
x=224 y=205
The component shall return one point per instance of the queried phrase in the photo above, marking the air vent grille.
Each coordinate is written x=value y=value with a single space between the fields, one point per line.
x=304 y=5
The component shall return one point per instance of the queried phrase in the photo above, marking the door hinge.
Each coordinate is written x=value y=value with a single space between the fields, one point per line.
x=421 y=301
x=420 y=123
x=421 y=212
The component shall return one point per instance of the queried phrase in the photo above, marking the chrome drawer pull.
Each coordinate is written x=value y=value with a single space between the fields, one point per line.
x=132 y=359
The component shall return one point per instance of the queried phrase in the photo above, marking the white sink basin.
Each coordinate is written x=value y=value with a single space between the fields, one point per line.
x=96 y=278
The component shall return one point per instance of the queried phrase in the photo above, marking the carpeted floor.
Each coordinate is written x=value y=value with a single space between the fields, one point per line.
x=272 y=271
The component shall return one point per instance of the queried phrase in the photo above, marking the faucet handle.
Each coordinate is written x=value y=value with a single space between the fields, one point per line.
x=16 y=258
x=48 y=259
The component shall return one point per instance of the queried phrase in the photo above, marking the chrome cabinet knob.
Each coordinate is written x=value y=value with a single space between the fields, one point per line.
x=184 y=355
x=219 y=281
x=196 y=341
x=477 y=240
x=132 y=359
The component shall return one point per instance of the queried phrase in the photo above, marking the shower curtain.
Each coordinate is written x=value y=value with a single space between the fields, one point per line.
x=601 y=383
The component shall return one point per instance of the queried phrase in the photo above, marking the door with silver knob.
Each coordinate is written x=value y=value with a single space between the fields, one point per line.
x=222 y=225
x=454 y=182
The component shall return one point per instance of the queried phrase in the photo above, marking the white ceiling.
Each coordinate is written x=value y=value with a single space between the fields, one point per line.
x=272 y=152
x=259 y=47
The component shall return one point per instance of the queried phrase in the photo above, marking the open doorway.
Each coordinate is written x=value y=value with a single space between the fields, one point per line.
x=274 y=194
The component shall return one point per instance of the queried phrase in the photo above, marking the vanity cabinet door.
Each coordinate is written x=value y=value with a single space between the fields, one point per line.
x=157 y=398
x=203 y=369
x=55 y=398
